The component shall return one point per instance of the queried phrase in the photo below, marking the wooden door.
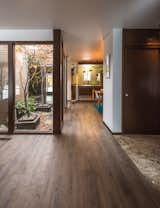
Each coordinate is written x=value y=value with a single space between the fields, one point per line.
x=141 y=91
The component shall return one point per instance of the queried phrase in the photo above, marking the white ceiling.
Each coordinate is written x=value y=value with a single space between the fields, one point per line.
x=84 y=22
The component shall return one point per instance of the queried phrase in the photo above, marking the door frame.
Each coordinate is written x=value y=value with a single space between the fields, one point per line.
x=11 y=85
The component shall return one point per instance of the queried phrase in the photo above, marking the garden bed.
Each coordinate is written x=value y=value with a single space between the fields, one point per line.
x=44 y=107
x=28 y=122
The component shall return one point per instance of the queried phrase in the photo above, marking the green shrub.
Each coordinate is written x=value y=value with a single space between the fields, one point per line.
x=20 y=107
x=32 y=105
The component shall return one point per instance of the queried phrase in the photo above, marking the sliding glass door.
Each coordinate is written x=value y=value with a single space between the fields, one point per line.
x=34 y=88
x=26 y=87
x=4 y=88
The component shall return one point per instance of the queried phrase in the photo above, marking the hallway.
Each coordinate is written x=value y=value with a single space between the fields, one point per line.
x=82 y=168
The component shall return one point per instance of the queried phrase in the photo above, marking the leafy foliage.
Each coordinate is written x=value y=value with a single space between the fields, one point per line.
x=21 y=109
x=36 y=60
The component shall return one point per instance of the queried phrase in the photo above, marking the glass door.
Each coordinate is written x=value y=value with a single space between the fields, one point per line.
x=4 y=88
x=34 y=88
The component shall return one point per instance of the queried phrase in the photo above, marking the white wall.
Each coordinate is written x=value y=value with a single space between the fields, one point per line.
x=26 y=35
x=112 y=102
x=108 y=84
x=69 y=79
x=65 y=82
x=117 y=80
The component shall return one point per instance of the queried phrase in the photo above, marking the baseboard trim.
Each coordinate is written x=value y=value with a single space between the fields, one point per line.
x=117 y=133
x=90 y=101
x=107 y=127
x=113 y=133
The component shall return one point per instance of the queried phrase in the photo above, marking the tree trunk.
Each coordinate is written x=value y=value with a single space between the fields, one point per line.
x=43 y=96
x=42 y=87
x=26 y=103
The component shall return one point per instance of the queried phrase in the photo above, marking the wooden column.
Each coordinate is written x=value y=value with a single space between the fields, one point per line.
x=11 y=81
x=57 y=82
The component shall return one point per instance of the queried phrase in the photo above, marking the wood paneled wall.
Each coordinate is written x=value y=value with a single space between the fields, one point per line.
x=141 y=81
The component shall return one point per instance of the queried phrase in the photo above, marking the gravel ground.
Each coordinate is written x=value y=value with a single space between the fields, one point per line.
x=144 y=151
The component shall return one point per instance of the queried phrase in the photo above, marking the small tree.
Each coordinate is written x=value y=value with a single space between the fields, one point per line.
x=36 y=61
x=32 y=65
x=43 y=76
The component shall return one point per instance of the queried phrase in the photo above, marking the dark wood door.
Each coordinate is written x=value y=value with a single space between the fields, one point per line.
x=141 y=91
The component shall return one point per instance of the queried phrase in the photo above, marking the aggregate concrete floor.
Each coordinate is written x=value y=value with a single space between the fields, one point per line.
x=144 y=151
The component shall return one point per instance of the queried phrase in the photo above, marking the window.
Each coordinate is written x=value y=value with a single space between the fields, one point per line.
x=87 y=75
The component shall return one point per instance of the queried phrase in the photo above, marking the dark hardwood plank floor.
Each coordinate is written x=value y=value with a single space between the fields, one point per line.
x=82 y=168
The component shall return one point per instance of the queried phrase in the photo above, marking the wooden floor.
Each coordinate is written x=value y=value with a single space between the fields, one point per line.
x=82 y=168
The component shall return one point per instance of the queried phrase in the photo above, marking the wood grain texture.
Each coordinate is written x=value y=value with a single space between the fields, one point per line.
x=82 y=168
x=58 y=81
x=141 y=81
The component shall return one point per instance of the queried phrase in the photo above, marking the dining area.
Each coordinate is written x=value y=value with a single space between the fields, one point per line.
x=87 y=84
x=99 y=100
x=99 y=96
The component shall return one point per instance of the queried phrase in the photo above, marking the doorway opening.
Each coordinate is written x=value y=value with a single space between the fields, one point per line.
x=87 y=84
